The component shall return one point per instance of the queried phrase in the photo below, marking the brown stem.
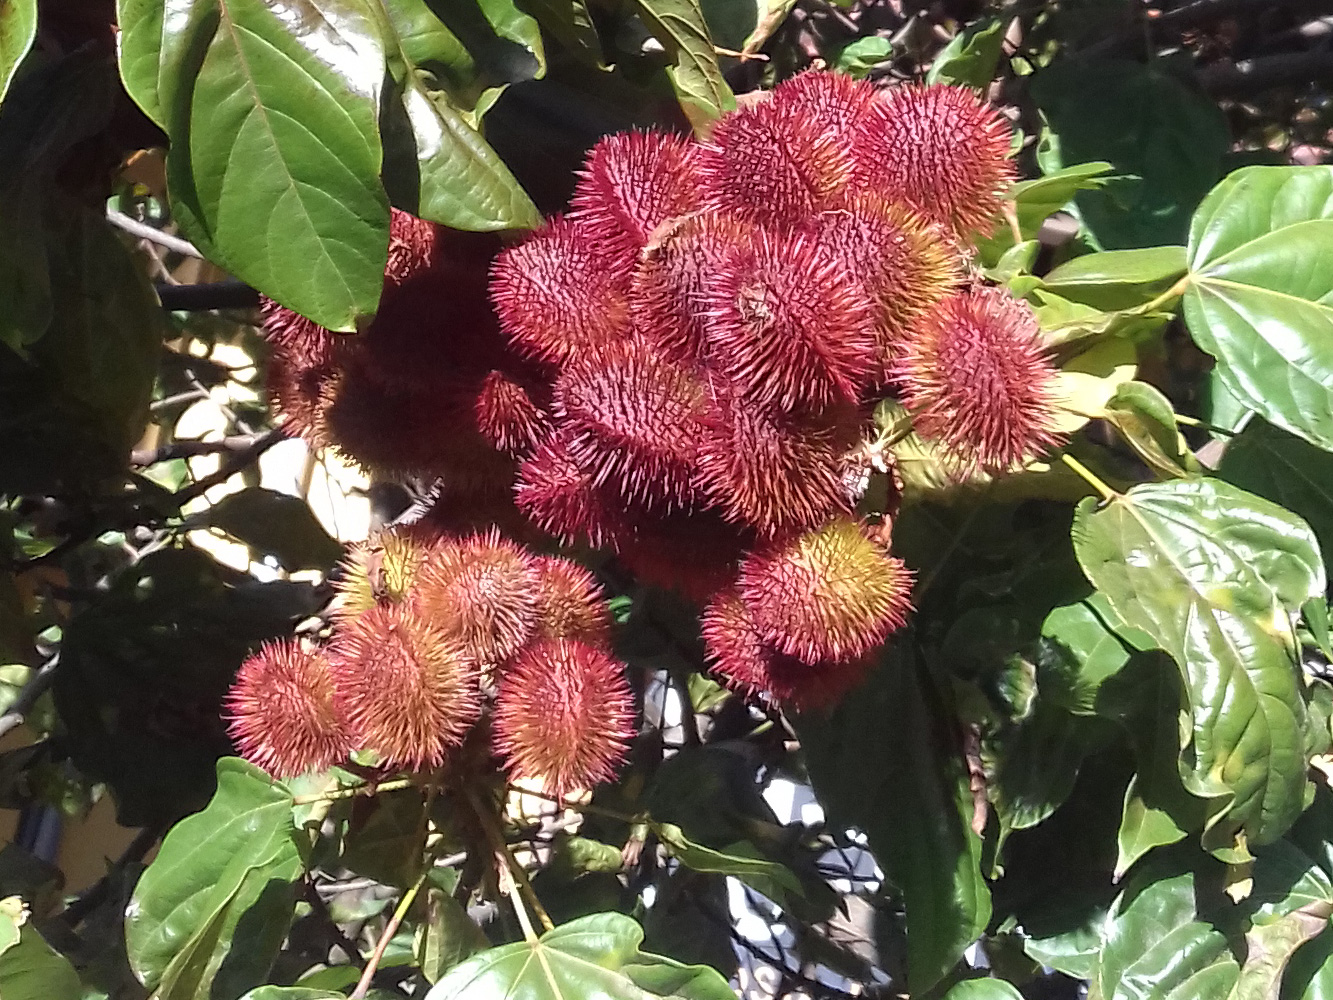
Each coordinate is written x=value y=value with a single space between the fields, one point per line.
x=390 y=929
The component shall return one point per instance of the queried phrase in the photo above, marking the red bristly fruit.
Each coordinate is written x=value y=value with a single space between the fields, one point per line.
x=634 y=421
x=280 y=711
x=752 y=667
x=978 y=381
x=906 y=263
x=631 y=183
x=565 y=714
x=772 y=167
x=406 y=689
x=835 y=102
x=382 y=569
x=559 y=497
x=772 y=471
x=570 y=604
x=507 y=417
x=789 y=325
x=482 y=592
x=829 y=595
x=942 y=150
x=557 y=296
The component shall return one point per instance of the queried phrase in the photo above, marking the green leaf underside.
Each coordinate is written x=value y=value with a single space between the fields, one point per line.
x=1214 y=575
x=18 y=29
x=593 y=956
x=681 y=28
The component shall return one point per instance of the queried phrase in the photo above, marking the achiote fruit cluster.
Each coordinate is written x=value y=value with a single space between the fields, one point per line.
x=435 y=635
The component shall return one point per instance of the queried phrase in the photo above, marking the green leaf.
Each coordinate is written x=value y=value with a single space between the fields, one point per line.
x=569 y=23
x=594 y=956
x=1164 y=138
x=1281 y=467
x=446 y=937
x=387 y=845
x=1088 y=648
x=1154 y=945
x=291 y=993
x=1116 y=279
x=861 y=56
x=1142 y=827
x=982 y=989
x=455 y=178
x=1259 y=301
x=1295 y=900
x=680 y=26
x=212 y=868
x=33 y=970
x=1146 y=419
x=883 y=763
x=18 y=29
x=13 y=914
x=273 y=524
x=1037 y=199
x=1214 y=575
x=774 y=880
x=970 y=58
x=275 y=150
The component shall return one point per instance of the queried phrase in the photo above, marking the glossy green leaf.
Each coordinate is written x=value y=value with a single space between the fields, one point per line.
x=1075 y=952
x=1037 y=199
x=18 y=29
x=386 y=842
x=861 y=56
x=1288 y=470
x=1086 y=648
x=446 y=935
x=13 y=914
x=291 y=993
x=33 y=970
x=1259 y=299
x=1154 y=945
x=970 y=58
x=594 y=956
x=455 y=179
x=569 y=23
x=211 y=868
x=1142 y=827
x=681 y=28
x=871 y=769
x=273 y=524
x=742 y=860
x=1116 y=279
x=275 y=151
x=983 y=989
x=1164 y=138
x=1146 y=420
x=1214 y=574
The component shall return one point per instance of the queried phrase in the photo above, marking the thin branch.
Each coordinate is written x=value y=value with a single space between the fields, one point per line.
x=490 y=827
x=1250 y=76
x=38 y=684
x=146 y=232
x=191 y=449
x=390 y=929
x=370 y=788
x=235 y=463
x=207 y=297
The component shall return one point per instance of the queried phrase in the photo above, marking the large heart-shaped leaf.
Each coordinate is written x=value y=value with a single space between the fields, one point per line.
x=18 y=28
x=882 y=763
x=238 y=853
x=1260 y=296
x=594 y=956
x=1215 y=575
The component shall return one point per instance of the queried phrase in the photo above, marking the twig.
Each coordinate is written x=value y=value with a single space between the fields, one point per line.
x=146 y=232
x=38 y=684
x=237 y=462
x=390 y=929
x=370 y=788
x=190 y=449
x=79 y=908
x=1089 y=477
x=523 y=885
x=1250 y=76
x=207 y=297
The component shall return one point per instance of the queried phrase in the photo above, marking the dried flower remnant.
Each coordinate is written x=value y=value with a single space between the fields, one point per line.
x=978 y=381
x=406 y=689
x=281 y=713
x=565 y=714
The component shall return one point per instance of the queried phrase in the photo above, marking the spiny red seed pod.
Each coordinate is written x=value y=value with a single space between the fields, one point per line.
x=405 y=689
x=302 y=341
x=790 y=325
x=481 y=591
x=829 y=595
x=557 y=495
x=691 y=552
x=298 y=394
x=772 y=167
x=907 y=264
x=382 y=569
x=776 y=472
x=631 y=184
x=565 y=714
x=280 y=711
x=570 y=604
x=751 y=667
x=941 y=149
x=977 y=380
x=507 y=417
x=557 y=297
x=667 y=297
x=411 y=246
x=634 y=421
x=835 y=101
